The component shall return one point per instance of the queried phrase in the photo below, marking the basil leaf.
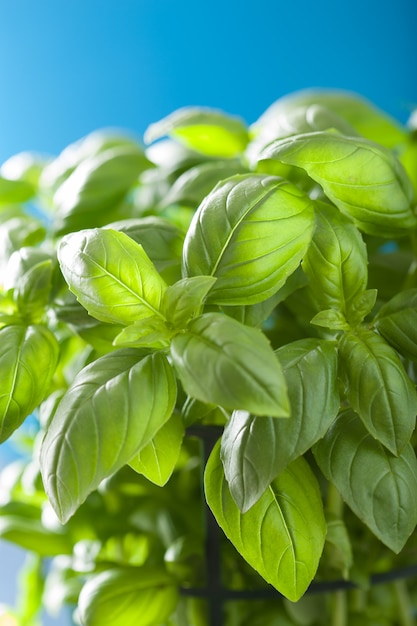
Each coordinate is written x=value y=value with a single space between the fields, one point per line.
x=33 y=290
x=282 y=535
x=251 y=232
x=185 y=299
x=28 y=358
x=92 y=192
x=378 y=388
x=126 y=596
x=209 y=131
x=85 y=443
x=397 y=323
x=197 y=182
x=157 y=460
x=364 y=180
x=15 y=191
x=221 y=361
x=381 y=489
x=151 y=332
x=336 y=261
x=254 y=450
x=368 y=120
x=111 y=275
x=161 y=240
x=17 y=232
x=31 y=535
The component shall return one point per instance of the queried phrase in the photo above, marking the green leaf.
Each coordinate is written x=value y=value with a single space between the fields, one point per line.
x=161 y=240
x=397 y=323
x=380 y=488
x=197 y=182
x=91 y=194
x=184 y=300
x=282 y=535
x=28 y=358
x=378 y=388
x=17 y=232
x=209 y=131
x=366 y=118
x=151 y=332
x=255 y=450
x=114 y=408
x=157 y=460
x=336 y=261
x=31 y=535
x=128 y=597
x=33 y=290
x=15 y=191
x=330 y=318
x=364 y=180
x=111 y=275
x=221 y=361
x=251 y=232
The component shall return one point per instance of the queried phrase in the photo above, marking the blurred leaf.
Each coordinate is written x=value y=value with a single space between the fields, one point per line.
x=206 y=130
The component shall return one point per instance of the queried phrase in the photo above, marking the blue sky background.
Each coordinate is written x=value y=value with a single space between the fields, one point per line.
x=67 y=68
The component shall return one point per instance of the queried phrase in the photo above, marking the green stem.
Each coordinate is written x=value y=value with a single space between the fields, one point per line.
x=404 y=604
x=339 y=609
x=334 y=504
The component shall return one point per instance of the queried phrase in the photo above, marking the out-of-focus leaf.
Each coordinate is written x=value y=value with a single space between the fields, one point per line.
x=206 y=130
x=397 y=322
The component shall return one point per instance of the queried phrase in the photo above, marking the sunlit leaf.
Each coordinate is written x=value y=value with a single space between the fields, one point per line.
x=255 y=449
x=111 y=275
x=114 y=408
x=251 y=232
x=282 y=535
x=363 y=179
x=221 y=361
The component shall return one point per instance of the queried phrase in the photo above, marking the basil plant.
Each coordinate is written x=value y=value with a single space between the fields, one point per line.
x=258 y=282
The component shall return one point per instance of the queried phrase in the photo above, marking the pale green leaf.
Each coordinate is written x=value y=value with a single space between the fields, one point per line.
x=251 y=232
x=220 y=361
x=206 y=130
x=378 y=388
x=128 y=597
x=397 y=322
x=363 y=179
x=111 y=275
x=28 y=358
x=157 y=460
x=255 y=450
x=114 y=408
x=379 y=487
x=282 y=535
x=184 y=300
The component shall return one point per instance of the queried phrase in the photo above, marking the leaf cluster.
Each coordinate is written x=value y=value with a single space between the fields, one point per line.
x=260 y=279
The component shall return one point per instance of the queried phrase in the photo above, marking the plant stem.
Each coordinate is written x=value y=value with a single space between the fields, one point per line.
x=334 y=504
x=404 y=604
x=339 y=609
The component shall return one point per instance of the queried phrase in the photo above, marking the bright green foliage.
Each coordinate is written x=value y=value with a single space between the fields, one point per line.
x=222 y=361
x=256 y=449
x=255 y=286
x=127 y=597
x=289 y=515
x=114 y=408
x=379 y=487
x=378 y=388
x=250 y=232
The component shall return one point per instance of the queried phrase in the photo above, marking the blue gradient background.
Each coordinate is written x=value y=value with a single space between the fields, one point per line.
x=67 y=68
